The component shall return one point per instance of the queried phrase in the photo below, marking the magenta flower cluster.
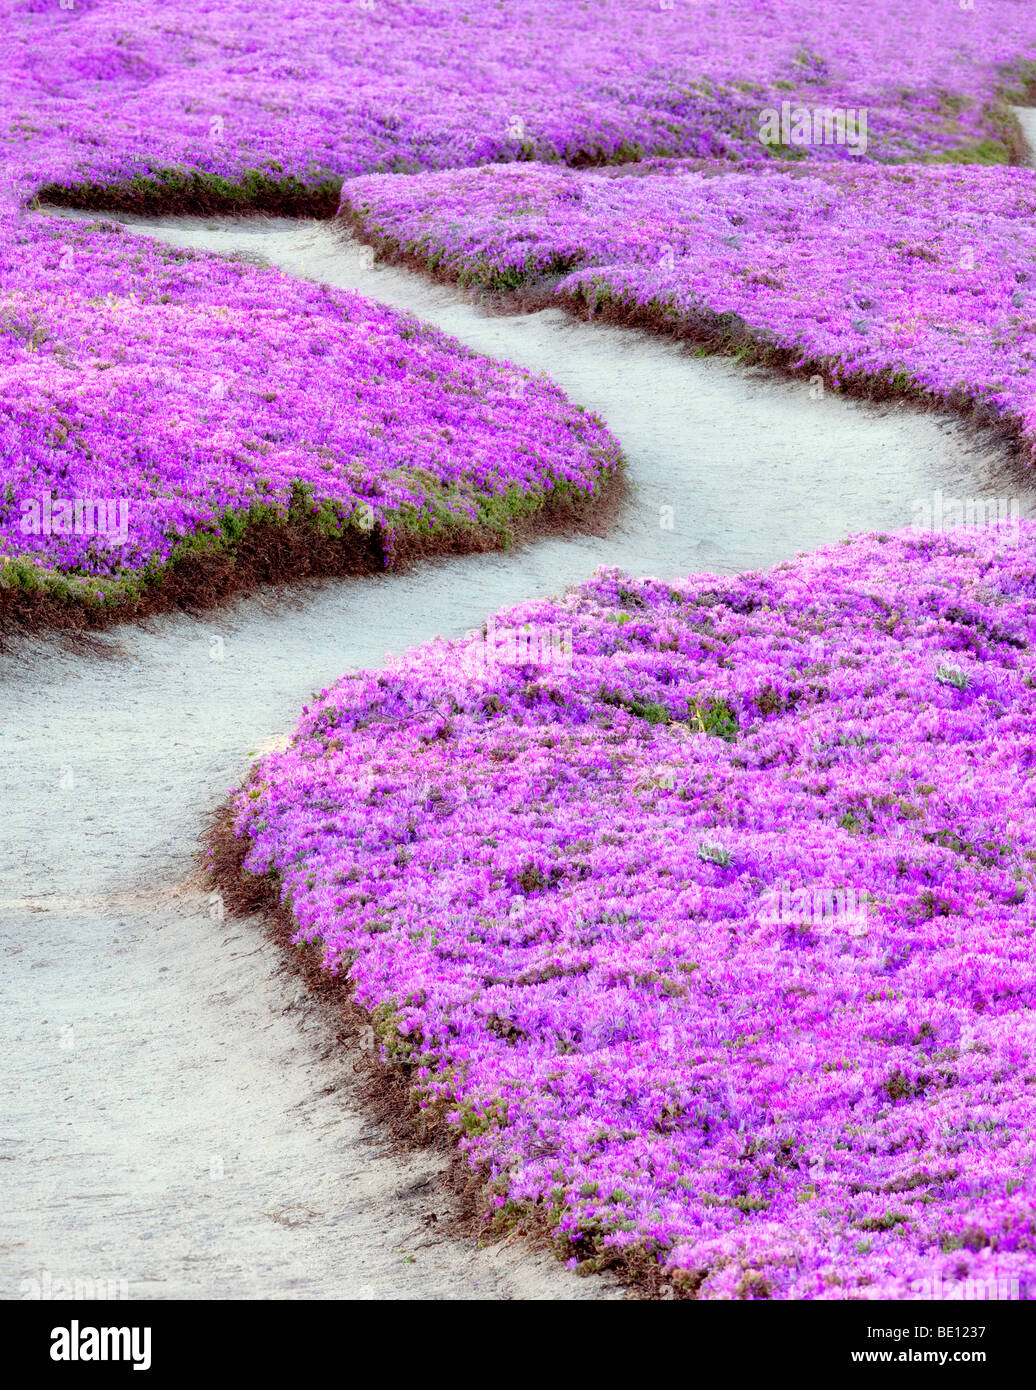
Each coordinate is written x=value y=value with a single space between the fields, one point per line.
x=172 y=388
x=922 y=276
x=105 y=90
x=703 y=911
x=185 y=386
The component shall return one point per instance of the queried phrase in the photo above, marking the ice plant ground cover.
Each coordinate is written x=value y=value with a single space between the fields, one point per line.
x=711 y=937
x=921 y=278
x=200 y=394
x=125 y=103
x=284 y=100
x=712 y=944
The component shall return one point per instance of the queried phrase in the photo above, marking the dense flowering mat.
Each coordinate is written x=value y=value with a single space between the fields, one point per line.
x=703 y=911
x=174 y=398
x=105 y=91
x=153 y=400
x=923 y=278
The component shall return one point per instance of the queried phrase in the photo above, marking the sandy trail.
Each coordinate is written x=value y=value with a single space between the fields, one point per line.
x=1027 y=120
x=179 y=1116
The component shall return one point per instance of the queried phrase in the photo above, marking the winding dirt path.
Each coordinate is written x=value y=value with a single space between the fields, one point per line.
x=182 y=1117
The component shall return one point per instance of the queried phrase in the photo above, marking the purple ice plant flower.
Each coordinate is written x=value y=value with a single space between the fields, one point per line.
x=712 y=943
x=918 y=277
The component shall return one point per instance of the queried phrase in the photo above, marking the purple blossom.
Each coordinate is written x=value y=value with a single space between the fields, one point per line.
x=920 y=277
x=828 y=1098
x=170 y=385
